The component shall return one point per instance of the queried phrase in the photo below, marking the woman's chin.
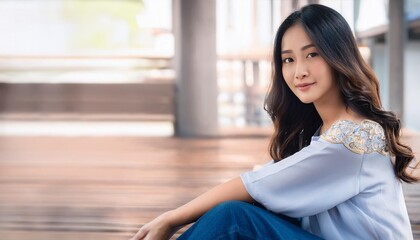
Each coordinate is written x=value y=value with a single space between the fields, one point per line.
x=306 y=101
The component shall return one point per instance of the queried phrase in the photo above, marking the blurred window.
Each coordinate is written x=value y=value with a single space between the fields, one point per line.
x=85 y=41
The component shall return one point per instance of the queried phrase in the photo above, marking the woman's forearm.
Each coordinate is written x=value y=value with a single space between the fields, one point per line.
x=231 y=190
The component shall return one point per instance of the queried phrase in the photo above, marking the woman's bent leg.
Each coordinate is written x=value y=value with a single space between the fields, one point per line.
x=240 y=220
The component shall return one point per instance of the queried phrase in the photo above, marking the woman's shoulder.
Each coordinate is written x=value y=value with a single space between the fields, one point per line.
x=362 y=137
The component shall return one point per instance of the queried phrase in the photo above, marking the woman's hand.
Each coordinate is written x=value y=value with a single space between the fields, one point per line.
x=160 y=229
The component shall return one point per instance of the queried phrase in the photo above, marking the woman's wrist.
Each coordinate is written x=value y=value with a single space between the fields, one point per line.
x=171 y=219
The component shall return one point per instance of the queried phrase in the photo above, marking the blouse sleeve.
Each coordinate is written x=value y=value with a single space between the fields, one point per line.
x=315 y=179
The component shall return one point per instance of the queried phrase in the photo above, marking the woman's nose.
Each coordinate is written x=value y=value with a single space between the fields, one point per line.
x=301 y=71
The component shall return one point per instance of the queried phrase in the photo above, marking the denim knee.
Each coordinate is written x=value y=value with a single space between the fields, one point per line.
x=220 y=222
x=228 y=205
x=229 y=209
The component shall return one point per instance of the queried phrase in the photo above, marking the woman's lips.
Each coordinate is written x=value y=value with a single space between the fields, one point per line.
x=304 y=86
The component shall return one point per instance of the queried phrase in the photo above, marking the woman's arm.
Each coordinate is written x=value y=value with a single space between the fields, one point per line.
x=164 y=226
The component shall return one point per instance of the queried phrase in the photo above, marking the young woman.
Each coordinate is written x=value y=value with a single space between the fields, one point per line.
x=337 y=161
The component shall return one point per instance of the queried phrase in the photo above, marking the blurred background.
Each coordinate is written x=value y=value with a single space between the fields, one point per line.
x=113 y=111
x=75 y=62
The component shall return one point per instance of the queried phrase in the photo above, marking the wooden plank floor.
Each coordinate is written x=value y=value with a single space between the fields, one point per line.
x=106 y=188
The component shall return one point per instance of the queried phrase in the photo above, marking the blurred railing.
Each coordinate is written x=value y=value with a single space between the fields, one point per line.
x=243 y=81
x=99 y=87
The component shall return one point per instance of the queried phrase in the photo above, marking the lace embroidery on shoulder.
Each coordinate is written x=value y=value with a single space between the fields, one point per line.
x=365 y=137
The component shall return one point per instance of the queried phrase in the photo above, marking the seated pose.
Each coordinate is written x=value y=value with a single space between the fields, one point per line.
x=338 y=164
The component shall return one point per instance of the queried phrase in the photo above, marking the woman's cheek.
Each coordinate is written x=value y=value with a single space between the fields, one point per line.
x=288 y=76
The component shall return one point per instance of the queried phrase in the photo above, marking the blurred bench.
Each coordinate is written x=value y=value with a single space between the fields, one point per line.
x=149 y=100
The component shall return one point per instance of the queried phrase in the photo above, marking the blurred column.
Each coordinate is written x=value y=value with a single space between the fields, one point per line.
x=395 y=37
x=195 y=64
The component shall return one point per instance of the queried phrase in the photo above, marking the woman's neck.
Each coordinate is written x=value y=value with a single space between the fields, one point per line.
x=334 y=110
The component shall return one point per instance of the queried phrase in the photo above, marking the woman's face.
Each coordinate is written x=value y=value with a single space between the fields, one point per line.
x=306 y=73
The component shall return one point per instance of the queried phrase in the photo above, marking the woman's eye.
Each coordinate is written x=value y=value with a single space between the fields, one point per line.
x=311 y=55
x=287 y=60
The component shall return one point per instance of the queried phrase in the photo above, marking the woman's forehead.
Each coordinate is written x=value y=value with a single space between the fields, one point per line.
x=295 y=38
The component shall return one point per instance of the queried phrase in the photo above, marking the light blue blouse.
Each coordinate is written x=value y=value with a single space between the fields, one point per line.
x=342 y=185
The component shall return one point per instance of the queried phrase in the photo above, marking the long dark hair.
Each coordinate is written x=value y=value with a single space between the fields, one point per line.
x=296 y=122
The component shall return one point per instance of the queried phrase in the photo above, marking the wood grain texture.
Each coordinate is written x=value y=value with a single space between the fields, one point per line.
x=106 y=188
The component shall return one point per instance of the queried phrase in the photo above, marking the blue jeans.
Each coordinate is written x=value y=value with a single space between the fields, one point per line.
x=240 y=220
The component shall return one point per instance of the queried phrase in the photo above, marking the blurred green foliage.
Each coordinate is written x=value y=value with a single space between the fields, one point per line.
x=103 y=24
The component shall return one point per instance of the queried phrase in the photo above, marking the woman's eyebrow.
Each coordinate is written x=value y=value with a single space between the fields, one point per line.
x=307 y=46
x=302 y=48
